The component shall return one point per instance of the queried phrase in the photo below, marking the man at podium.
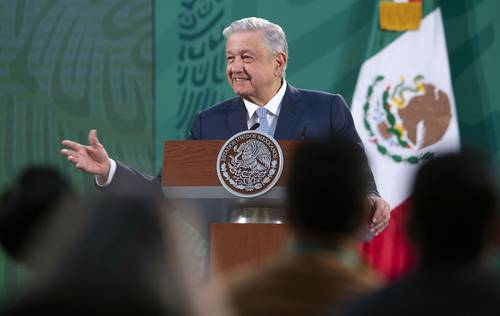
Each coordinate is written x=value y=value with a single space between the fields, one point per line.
x=256 y=61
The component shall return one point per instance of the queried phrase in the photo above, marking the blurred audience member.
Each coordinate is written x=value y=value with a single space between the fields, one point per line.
x=124 y=262
x=28 y=205
x=326 y=209
x=452 y=222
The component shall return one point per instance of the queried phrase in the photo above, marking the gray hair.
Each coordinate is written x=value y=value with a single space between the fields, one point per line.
x=273 y=35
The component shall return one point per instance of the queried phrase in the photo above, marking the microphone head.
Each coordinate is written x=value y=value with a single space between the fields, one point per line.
x=255 y=126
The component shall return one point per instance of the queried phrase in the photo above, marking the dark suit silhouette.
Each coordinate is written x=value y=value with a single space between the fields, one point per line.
x=448 y=290
x=323 y=114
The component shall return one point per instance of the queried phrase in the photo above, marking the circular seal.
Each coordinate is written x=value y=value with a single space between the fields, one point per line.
x=249 y=164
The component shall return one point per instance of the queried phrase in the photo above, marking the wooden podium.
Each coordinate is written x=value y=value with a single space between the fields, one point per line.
x=190 y=181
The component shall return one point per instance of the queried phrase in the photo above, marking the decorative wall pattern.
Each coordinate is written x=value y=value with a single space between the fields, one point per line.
x=67 y=66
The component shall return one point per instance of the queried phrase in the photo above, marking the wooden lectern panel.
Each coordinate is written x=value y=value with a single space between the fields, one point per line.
x=235 y=244
x=193 y=162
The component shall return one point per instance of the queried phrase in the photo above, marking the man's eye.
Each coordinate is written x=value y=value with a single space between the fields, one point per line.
x=229 y=59
x=247 y=58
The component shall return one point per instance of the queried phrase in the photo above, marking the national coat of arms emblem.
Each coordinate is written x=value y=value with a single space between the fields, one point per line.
x=249 y=164
x=404 y=120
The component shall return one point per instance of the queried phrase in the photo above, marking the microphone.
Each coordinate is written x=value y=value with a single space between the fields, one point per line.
x=303 y=133
x=254 y=127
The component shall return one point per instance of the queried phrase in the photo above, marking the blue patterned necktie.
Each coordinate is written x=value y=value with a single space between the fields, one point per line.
x=264 y=124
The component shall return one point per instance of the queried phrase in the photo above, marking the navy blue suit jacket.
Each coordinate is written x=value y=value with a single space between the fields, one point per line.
x=322 y=114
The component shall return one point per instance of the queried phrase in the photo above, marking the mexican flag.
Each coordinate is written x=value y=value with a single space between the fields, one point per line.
x=404 y=112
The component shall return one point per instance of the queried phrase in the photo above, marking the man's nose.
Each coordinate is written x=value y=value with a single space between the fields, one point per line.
x=237 y=65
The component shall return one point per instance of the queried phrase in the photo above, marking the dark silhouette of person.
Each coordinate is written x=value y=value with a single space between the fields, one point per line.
x=121 y=263
x=326 y=206
x=452 y=223
x=27 y=205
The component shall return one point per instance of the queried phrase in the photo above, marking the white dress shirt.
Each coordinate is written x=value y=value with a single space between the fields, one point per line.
x=273 y=109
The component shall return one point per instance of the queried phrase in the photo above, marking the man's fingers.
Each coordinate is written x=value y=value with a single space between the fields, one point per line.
x=73 y=158
x=380 y=220
x=377 y=232
x=380 y=226
x=379 y=207
x=93 y=140
x=377 y=229
x=67 y=152
x=380 y=229
x=379 y=216
x=71 y=144
x=76 y=162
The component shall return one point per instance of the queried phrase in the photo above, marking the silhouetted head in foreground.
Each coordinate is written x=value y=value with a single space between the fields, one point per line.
x=327 y=188
x=454 y=203
x=28 y=205
x=121 y=263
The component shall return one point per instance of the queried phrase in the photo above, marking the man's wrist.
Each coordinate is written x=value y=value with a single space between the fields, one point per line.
x=103 y=181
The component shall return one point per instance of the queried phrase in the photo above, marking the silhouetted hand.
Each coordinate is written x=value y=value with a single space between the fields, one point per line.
x=381 y=214
x=92 y=159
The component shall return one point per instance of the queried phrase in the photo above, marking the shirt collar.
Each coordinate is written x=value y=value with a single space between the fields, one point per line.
x=272 y=106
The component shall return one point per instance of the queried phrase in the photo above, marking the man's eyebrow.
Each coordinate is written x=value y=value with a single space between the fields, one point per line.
x=243 y=51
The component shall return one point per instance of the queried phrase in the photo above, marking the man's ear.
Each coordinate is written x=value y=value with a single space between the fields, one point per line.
x=280 y=61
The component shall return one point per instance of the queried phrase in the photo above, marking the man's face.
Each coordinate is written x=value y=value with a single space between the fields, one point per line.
x=252 y=71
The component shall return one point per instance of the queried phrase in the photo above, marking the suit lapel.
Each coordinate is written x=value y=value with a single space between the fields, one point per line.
x=291 y=108
x=237 y=118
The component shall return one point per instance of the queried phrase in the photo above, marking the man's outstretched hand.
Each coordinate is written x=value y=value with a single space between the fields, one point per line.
x=92 y=159
x=381 y=214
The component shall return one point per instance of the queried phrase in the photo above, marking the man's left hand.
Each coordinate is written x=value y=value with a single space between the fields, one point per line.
x=381 y=214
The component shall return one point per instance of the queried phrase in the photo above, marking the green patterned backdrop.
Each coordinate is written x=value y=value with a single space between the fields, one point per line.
x=70 y=65
x=67 y=66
